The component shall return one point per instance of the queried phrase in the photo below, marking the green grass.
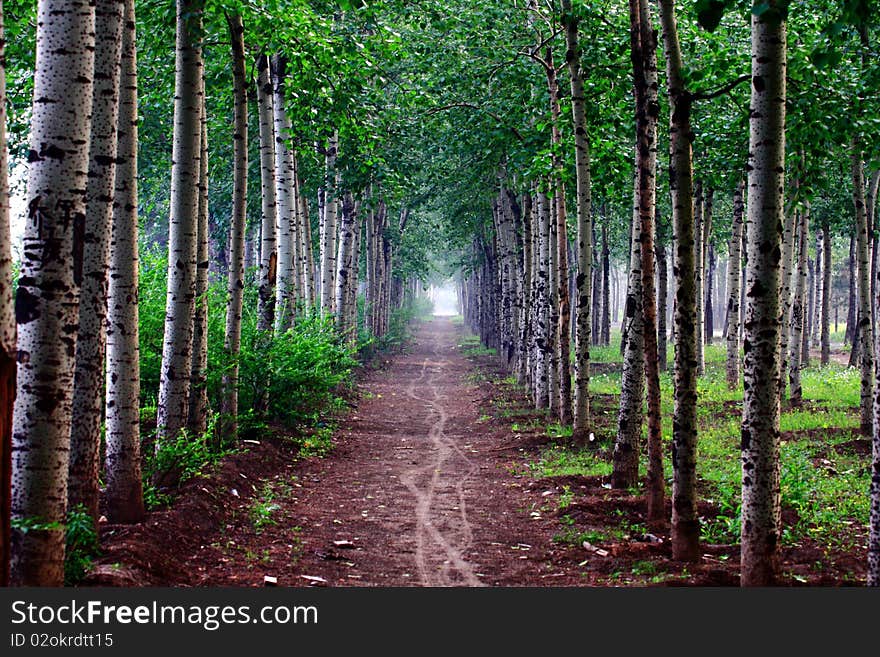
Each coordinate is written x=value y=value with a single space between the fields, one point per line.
x=560 y=460
x=471 y=347
x=825 y=488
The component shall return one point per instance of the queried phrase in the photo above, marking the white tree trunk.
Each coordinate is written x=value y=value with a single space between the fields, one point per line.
x=7 y=331
x=197 y=419
x=344 y=259
x=542 y=328
x=268 y=220
x=124 y=492
x=284 y=303
x=761 y=517
x=47 y=300
x=799 y=309
x=734 y=271
x=328 y=228
x=235 y=280
x=88 y=387
x=174 y=383
x=632 y=386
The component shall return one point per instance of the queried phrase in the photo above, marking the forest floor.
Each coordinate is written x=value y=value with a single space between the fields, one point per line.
x=427 y=484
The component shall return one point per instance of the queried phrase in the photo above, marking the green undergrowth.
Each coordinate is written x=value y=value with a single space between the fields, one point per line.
x=401 y=323
x=824 y=478
x=471 y=347
x=81 y=545
x=305 y=375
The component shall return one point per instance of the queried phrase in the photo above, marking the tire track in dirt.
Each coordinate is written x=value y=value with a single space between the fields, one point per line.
x=421 y=489
x=441 y=544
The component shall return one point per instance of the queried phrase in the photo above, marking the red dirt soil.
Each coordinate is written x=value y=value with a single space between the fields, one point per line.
x=426 y=486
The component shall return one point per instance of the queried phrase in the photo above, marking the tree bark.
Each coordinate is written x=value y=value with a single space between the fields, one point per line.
x=47 y=299
x=606 y=288
x=311 y=291
x=625 y=473
x=235 y=280
x=708 y=260
x=542 y=342
x=644 y=59
x=699 y=266
x=345 y=263
x=685 y=519
x=874 y=488
x=825 y=320
x=174 y=384
x=284 y=302
x=708 y=307
x=662 y=293
x=760 y=427
x=734 y=273
x=583 y=334
x=197 y=419
x=789 y=238
x=524 y=370
x=798 y=312
x=268 y=205
x=123 y=495
x=864 y=333
x=553 y=296
x=7 y=333
x=852 y=310
x=88 y=386
x=301 y=245
x=328 y=227
x=874 y=235
x=562 y=304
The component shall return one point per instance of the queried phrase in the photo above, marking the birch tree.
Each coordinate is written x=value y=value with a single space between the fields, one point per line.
x=644 y=57
x=583 y=305
x=123 y=494
x=685 y=520
x=7 y=331
x=825 y=330
x=174 y=384
x=863 y=335
x=88 y=387
x=734 y=274
x=268 y=216
x=197 y=416
x=798 y=311
x=47 y=300
x=284 y=200
x=328 y=226
x=760 y=532
x=345 y=263
x=235 y=280
x=625 y=473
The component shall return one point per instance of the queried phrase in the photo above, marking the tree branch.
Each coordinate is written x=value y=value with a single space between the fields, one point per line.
x=443 y=108
x=727 y=88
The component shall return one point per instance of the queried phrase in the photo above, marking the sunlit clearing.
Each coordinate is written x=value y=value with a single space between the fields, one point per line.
x=445 y=300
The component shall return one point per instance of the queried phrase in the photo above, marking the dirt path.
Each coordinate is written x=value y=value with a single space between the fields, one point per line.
x=416 y=491
x=428 y=484
x=421 y=488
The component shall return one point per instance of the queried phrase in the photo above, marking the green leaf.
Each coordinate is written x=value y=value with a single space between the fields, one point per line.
x=824 y=58
x=710 y=13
